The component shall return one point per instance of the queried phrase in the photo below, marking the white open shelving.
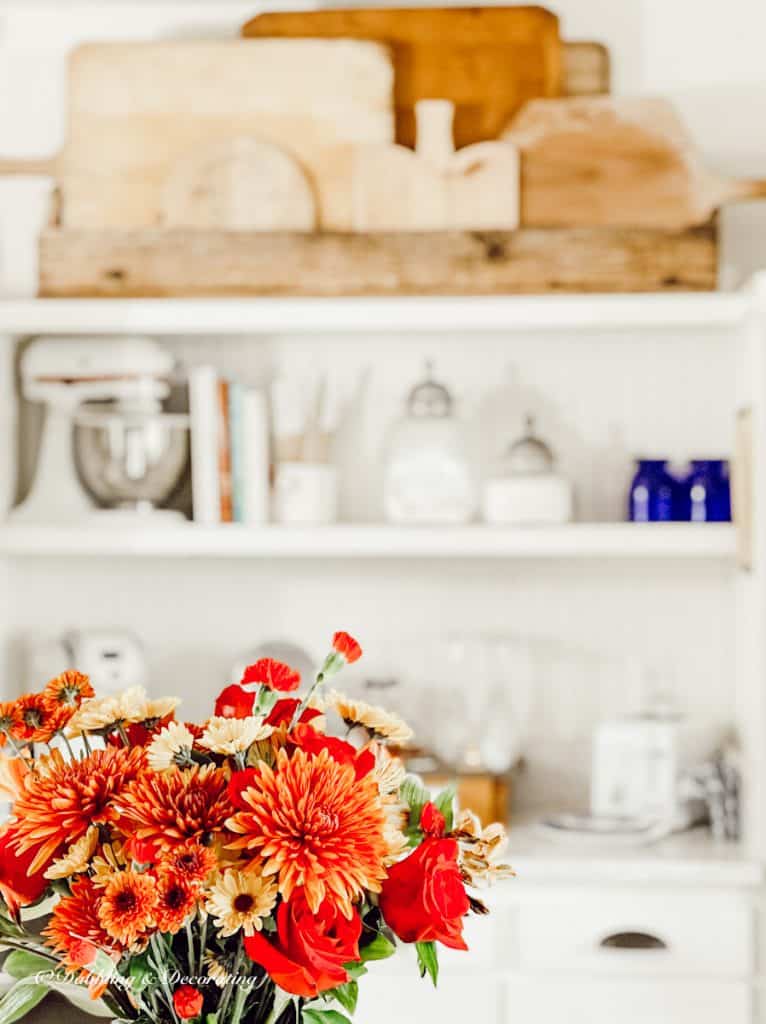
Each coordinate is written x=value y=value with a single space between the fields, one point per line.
x=186 y=540
x=411 y=314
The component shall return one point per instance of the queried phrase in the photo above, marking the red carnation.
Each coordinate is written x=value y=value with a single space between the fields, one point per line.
x=424 y=899
x=345 y=645
x=187 y=1002
x=308 y=953
x=308 y=739
x=283 y=711
x=432 y=821
x=234 y=702
x=273 y=674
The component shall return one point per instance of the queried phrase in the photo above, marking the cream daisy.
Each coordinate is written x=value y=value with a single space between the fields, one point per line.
x=381 y=724
x=233 y=735
x=171 y=746
x=217 y=970
x=389 y=772
x=77 y=857
x=240 y=901
x=132 y=705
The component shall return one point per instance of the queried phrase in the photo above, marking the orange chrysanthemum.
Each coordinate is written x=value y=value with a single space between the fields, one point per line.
x=176 y=899
x=68 y=690
x=172 y=807
x=75 y=920
x=61 y=799
x=314 y=824
x=127 y=906
x=37 y=720
x=190 y=861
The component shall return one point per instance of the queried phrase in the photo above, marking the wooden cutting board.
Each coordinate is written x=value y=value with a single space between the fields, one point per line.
x=604 y=162
x=241 y=184
x=434 y=188
x=487 y=60
x=137 y=110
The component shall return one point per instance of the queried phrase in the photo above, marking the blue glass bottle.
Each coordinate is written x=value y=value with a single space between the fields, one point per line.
x=709 y=491
x=653 y=493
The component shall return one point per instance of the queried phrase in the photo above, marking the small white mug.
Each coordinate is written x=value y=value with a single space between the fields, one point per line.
x=305 y=493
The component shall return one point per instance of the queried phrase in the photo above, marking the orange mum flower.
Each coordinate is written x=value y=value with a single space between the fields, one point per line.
x=61 y=799
x=75 y=920
x=175 y=901
x=10 y=720
x=127 y=905
x=69 y=689
x=37 y=720
x=314 y=824
x=172 y=807
x=190 y=861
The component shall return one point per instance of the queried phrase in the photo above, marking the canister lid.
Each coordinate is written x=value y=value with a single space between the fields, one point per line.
x=529 y=455
x=429 y=399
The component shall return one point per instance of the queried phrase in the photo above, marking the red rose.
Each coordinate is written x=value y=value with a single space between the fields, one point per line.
x=308 y=739
x=238 y=783
x=307 y=954
x=432 y=821
x=345 y=645
x=273 y=674
x=142 y=851
x=187 y=1001
x=18 y=888
x=283 y=711
x=423 y=899
x=234 y=702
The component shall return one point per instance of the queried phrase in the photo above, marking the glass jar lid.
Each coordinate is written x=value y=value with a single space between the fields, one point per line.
x=429 y=399
x=529 y=456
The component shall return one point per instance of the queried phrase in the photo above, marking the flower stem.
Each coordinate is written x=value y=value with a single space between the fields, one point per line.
x=281 y=1000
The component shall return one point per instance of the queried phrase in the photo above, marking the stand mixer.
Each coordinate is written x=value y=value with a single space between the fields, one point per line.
x=104 y=417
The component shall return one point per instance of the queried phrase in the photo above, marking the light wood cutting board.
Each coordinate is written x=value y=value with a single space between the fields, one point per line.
x=487 y=60
x=604 y=162
x=136 y=110
x=435 y=188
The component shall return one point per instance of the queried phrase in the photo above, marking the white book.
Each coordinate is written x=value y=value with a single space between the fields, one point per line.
x=255 y=457
x=203 y=407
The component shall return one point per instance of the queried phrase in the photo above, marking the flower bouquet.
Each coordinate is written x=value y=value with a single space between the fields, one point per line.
x=250 y=868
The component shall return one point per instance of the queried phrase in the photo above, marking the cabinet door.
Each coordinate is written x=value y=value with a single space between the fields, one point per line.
x=392 y=999
x=551 y=1001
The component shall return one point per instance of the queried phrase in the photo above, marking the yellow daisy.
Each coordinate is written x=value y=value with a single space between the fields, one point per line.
x=234 y=735
x=217 y=970
x=131 y=705
x=77 y=857
x=108 y=862
x=381 y=724
x=389 y=772
x=239 y=900
x=171 y=746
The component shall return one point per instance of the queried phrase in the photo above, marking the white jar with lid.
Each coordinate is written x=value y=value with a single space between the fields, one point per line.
x=428 y=477
x=527 y=490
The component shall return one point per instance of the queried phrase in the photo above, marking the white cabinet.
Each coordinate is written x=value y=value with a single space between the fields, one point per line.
x=461 y=998
x=586 y=1001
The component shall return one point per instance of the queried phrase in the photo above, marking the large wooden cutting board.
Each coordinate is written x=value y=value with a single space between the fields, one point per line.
x=487 y=60
x=137 y=111
x=604 y=162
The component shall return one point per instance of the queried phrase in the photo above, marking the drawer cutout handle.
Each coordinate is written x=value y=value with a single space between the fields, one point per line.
x=632 y=940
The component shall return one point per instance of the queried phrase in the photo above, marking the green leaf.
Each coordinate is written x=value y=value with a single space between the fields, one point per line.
x=312 y=1016
x=428 y=960
x=211 y=1018
x=355 y=970
x=141 y=973
x=22 y=964
x=416 y=796
x=445 y=804
x=380 y=948
x=23 y=997
x=347 y=995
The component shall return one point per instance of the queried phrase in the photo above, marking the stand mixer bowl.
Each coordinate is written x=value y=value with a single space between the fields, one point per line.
x=130 y=458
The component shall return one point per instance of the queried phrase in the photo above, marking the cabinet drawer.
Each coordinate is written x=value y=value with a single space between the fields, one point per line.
x=551 y=1001
x=639 y=933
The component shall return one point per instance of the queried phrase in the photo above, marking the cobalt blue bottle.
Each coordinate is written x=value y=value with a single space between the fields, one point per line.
x=653 y=493
x=709 y=491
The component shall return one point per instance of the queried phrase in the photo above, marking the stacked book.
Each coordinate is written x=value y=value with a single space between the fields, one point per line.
x=230 y=449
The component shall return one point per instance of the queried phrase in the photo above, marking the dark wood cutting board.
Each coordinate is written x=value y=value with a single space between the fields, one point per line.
x=488 y=60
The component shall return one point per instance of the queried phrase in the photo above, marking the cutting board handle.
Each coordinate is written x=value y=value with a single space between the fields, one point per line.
x=435 y=140
x=24 y=168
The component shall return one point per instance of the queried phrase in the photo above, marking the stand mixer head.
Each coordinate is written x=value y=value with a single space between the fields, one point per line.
x=66 y=374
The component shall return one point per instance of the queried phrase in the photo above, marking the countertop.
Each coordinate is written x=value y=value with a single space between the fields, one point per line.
x=686 y=858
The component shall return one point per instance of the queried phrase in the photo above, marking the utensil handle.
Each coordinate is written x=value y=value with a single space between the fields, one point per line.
x=21 y=167
x=435 y=140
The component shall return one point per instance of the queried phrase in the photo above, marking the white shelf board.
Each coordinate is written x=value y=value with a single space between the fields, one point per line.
x=186 y=540
x=368 y=315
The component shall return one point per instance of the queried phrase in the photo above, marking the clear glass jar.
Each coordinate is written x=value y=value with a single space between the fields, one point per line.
x=428 y=477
